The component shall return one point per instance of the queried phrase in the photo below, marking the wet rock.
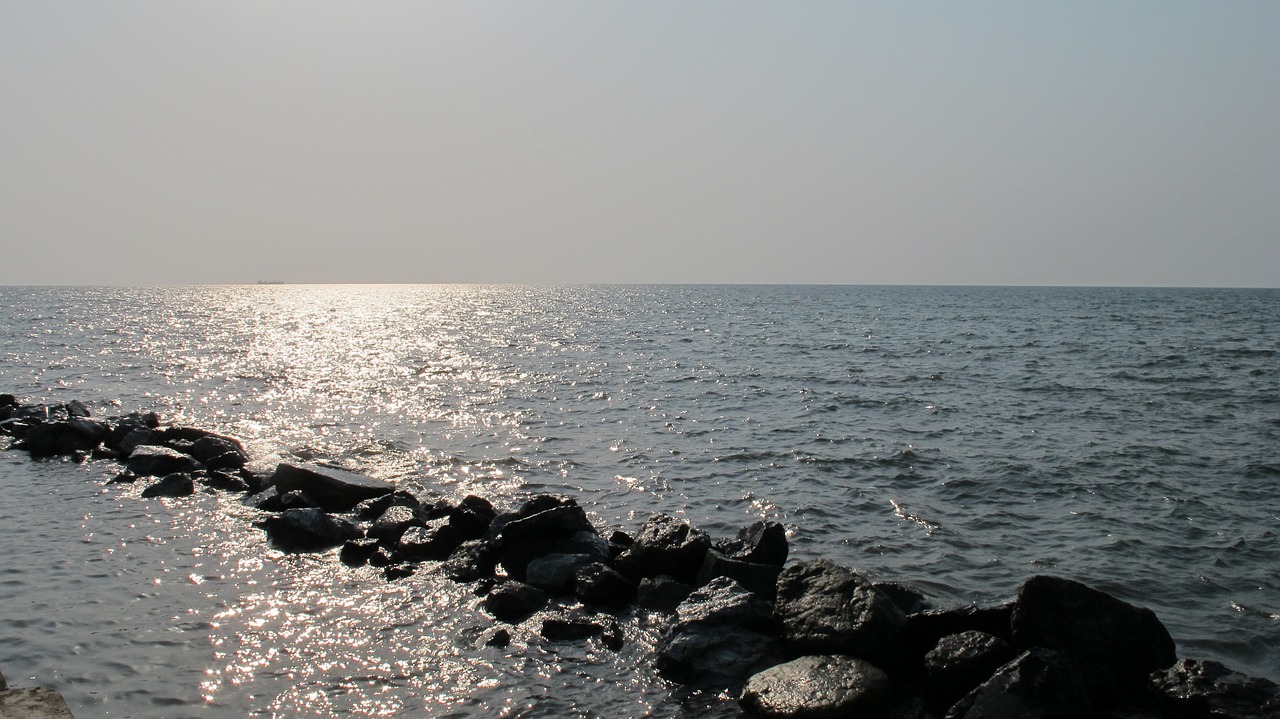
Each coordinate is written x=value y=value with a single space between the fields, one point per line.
x=472 y=517
x=760 y=542
x=150 y=460
x=497 y=638
x=172 y=485
x=662 y=593
x=514 y=601
x=225 y=481
x=665 y=545
x=137 y=437
x=906 y=599
x=219 y=452
x=309 y=529
x=1209 y=690
x=392 y=572
x=924 y=629
x=561 y=529
x=723 y=633
x=1114 y=645
x=759 y=578
x=125 y=477
x=385 y=556
x=554 y=573
x=599 y=584
x=1039 y=684
x=371 y=509
x=335 y=490
x=356 y=552
x=472 y=561
x=960 y=662
x=829 y=609
x=76 y=408
x=816 y=687
x=570 y=626
x=394 y=522
x=8 y=400
x=434 y=540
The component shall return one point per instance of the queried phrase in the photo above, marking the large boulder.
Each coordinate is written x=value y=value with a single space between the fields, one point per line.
x=1114 y=645
x=760 y=542
x=172 y=485
x=759 y=578
x=816 y=687
x=514 y=601
x=960 y=662
x=599 y=584
x=723 y=633
x=554 y=573
x=394 y=523
x=335 y=490
x=1209 y=690
x=217 y=451
x=1039 y=684
x=546 y=526
x=150 y=460
x=666 y=545
x=309 y=529
x=830 y=609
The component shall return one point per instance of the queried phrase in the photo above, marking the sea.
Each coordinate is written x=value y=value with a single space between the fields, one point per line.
x=955 y=439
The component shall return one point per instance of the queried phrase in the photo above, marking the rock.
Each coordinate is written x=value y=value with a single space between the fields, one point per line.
x=219 y=452
x=816 y=687
x=924 y=629
x=554 y=573
x=960 y=662
x=226 y=482
x=309 y=529
x=42 y=439
x=33 y=703
x=759 y=578
x=149 y=460
x=1114 y=645
x=172 y=485
x=76 y=408
x=906 y=599
x=472 y=561
x=268 y=500
x=7 y=400
x=1039 y=684
x=371 y=509
x=497 y=638
x=394 y=522
x=392 y=572
x=666 y=545
x=435 y=540
x=662 y=593
x=829 y=609
x=598 y=584
x=561 y=529
x=760 y=542
x=335 y=490
x=137 y=437
x=472 y=517
x=1209 y=690
x=356 y=552
x=514 y=601
x=722 y=633
x=570 y=626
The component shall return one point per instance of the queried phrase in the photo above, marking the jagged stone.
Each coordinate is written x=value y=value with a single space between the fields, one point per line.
x=434 y=540
x=356 y=552
x=1039 y=684
x=335 y=490
x=960 y=662
x=514 y=601
x=472 y=517
x=760 y=542
x=665 y=545
x=394 y=523
x=662 y=593
x=759 y=578
x=150 y=460
x=554 y=573
x=309 y=529
x=817 y=687
x=1209 y=690
x=829 y=609
x=472 y=561
x=597 y=583
x=171 y=485
x=722 y=633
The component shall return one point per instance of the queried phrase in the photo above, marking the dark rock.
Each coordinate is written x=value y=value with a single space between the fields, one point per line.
x=722 y=633
x=76 y=408
x=924 y=629
x=335 y=490
x=137 y=437
x=435 y=540
x=554 y=573
x=172 y=485
x=497 y=638
x=371 y=509
x=104 y=453
x=599 y=584
x=356 y=552
x=662 y=593
x=514 y=601
x=226 y=482
x=1209 y=690
x=759 y=578
x=960 y=662
x=570 y=626
x=394 y=522
x=392 y=572
x=906 y=599
x=562 y=520
x=472 y=517
x=829 y=609
x=1039 y=684
x=309 y=529
x=385 y=556
x=1114 y=645
x=268 y=500
x=561 y=529
x=817 y=687
x=219 y=452
x=665 y=545
x=67 y=437
x=619 y=541
x=7 y=400
x=472 y=561
x=149 y=460
x=760 y=542
x=125 y=477
x=42 y=439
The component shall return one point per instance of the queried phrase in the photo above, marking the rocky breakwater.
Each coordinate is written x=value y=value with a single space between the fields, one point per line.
x=805 y=639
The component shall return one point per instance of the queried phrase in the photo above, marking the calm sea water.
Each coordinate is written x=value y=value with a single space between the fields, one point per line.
x=956 y=439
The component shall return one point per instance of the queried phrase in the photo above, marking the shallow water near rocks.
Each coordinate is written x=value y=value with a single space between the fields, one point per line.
x=956 y=439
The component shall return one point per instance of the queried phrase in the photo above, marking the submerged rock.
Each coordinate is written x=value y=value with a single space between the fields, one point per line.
x=309 y=529
x=816 y=687
x=1209 y=690
x=172 y=485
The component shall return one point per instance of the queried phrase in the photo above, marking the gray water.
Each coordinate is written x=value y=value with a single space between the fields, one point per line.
x=957 y=439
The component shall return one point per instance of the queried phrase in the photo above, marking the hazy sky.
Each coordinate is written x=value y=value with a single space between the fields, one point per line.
x=162 y=142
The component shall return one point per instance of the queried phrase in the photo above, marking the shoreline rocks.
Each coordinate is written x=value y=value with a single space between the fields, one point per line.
x=806 y=639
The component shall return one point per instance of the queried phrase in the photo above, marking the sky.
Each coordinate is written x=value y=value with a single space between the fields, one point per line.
x=1008 y=143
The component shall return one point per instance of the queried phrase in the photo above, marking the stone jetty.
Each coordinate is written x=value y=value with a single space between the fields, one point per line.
x=33 y=703
x=806 y=639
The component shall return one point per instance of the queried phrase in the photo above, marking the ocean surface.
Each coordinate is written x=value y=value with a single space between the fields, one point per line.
x=959 y=440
